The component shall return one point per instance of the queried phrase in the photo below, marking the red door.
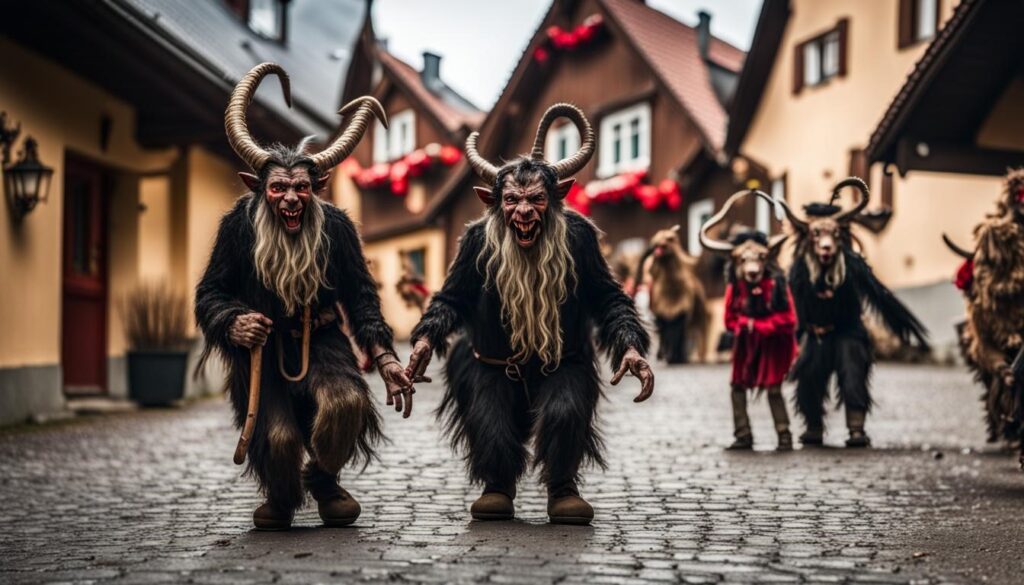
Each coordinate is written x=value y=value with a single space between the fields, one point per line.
x=84 y=302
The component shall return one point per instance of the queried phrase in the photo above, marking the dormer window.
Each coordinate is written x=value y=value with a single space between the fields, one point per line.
x=267 y=18
x=397 y=140
x=625 y=141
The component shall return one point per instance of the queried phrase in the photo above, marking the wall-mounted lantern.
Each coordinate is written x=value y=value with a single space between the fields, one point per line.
x=27 y=182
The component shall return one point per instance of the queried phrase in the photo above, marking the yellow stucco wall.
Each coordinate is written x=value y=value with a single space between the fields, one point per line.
x=809 y=136
x=63 y=112
x=385 y=255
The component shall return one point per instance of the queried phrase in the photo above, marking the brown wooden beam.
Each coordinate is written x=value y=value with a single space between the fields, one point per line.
x=921 y=155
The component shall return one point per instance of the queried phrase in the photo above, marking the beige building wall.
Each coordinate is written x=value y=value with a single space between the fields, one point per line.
x=387 y=269
x=808 y=138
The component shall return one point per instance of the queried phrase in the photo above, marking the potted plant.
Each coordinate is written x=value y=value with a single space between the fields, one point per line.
x=156 y=325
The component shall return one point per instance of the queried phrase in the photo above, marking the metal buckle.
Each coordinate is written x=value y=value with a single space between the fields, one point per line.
x=513 y=372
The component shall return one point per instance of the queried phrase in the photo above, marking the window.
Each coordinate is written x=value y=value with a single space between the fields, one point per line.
x=267 y=18
x=821 y=58
x=700 y=212
x=625 y=141
x=417 y=261
x=918 y=21
x=561 y=142
x=397 y=140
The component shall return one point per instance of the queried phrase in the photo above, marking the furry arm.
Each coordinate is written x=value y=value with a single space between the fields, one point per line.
x=896 y=315
x=449 y=306
x=357 y=290
x=618 y=324
x=217 y=294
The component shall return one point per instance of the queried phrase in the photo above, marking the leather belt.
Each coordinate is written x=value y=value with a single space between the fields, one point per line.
x=512 y=370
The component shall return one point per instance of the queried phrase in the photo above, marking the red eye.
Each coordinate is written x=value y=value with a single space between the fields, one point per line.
x=277 y=188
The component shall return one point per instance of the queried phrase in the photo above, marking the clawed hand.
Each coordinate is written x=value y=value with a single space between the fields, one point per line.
x=636 y=365
x=418 y=361
x=250 y=329
x=399 y=388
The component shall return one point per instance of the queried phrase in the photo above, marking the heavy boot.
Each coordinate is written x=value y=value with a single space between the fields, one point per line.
x=272 y=517
x=777 y=405
x=855 y=424
x=337 y=507
x=740 y=421
x=494 y=504
x=565 y=506
x=813 y=436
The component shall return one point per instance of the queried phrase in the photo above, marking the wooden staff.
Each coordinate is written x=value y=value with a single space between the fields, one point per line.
x=255 y=367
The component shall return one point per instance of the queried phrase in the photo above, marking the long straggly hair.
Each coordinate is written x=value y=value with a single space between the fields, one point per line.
x=533 y=283
x=834 y=276
x=291 y=266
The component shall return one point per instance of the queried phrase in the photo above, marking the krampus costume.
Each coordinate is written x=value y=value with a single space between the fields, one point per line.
x=678 y=302
x=759 y=312
x=995 y=309
x=283 y=267
x=831 y=283
x=527 y=289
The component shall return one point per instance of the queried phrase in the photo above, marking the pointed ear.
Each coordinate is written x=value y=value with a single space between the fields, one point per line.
x=251 y=181
x=563 y=187
x=676 y=228
x=325 y=178
x=485 y=195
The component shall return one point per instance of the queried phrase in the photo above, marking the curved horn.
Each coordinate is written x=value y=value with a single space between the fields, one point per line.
x=709 y=242
x=957 y=249
x=484 y=169
x=861 y=186
x=235 y=125
x=799 y=224
x=366 y=108
x=567 y=167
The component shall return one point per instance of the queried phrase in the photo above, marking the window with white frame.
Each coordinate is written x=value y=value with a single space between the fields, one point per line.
x=397 y=140
x=821 y=59
x=700 y=212
x=763 y=216
x=625 y=140
x=561 y=142
x=267 y=18
x=764 y=209
x=919 y=21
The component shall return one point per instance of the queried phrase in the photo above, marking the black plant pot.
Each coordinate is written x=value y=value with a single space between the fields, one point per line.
x=156 y=378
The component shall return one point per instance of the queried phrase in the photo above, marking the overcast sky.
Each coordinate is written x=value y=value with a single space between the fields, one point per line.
x=481 y=41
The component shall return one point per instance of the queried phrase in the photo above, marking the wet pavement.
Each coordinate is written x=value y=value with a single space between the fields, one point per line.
x=152 y=497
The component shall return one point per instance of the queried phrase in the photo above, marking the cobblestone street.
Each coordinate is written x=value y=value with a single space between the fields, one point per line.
x=153 y=497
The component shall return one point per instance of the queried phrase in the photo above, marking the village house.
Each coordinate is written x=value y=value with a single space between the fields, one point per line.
x=396 y=174
x=825 y=95
x=125 y=100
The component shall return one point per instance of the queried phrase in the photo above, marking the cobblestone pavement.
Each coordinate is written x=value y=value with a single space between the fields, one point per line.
x=153 y=497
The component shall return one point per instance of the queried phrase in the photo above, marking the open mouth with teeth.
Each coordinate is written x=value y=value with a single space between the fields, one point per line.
x=526 y=232
x=292 y=219
x=825 y=258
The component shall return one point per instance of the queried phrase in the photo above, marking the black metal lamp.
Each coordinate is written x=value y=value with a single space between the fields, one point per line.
x=27 y=182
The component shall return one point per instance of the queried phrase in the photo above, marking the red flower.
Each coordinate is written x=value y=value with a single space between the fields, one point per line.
x=450 y=155
x=541 y=55
x=648 y=196
x=553 y=31
x=965 y=276
x=399 y=171
x=418 y=162
x=400 y=188
x=565 y=40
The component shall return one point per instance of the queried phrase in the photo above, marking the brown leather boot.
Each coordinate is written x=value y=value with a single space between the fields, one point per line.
x=337 y=507
x=494 y=504
x=272 y=517
x=740 y=421
x=565 y=506
x=855 y=424
x=813 y=437
x=777 y=405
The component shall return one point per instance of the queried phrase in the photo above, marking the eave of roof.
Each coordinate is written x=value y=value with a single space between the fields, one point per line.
x=451 y=118
x=883 y=138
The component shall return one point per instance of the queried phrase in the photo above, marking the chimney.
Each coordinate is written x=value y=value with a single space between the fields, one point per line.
x=431 y=74
x=704 y=32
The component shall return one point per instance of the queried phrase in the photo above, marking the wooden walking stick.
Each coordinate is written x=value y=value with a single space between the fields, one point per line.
x=255 y=367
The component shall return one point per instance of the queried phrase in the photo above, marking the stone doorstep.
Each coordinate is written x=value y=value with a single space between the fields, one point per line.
x=99 y=406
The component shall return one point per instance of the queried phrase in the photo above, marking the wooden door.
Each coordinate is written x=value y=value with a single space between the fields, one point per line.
x=84 y=302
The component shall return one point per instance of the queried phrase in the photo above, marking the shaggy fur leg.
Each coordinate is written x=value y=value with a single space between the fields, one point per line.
x=853 y=369
x=812 y=373
x=276 y=450
x=672 y=339
x=565 y=424
x=486 y=415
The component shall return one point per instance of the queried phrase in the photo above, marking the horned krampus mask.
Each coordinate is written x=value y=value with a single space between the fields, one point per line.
x=288 y=177
x=825 y=232
x=528 y=188
x=750 y=252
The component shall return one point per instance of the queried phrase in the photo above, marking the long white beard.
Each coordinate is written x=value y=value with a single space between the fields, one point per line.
x=291 y=266
x=532 y=285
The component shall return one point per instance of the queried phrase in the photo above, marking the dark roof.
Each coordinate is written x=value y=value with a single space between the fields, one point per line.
x=771 y=24
x=316 y=55
x=451 y=110
x=955 y=83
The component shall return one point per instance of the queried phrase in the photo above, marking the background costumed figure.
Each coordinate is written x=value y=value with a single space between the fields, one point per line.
x=527 y=290
x=759 y=312
x=678 y=301
x=284 y=266
x=831 y=284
